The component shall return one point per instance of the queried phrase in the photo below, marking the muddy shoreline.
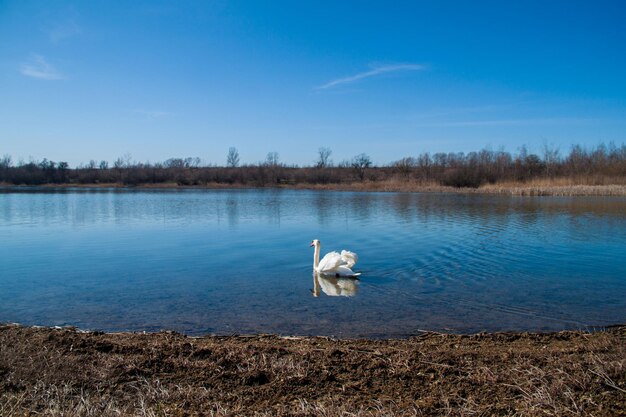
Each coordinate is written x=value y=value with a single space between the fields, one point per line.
x=68 y=372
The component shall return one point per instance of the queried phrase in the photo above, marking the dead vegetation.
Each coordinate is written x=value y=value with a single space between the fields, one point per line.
x=63 y=372
x=586 y=171
x=533 y=188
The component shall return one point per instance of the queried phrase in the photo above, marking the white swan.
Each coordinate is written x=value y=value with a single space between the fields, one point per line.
x=334 y=263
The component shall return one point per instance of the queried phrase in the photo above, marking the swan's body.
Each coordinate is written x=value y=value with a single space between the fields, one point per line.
x=334 y=263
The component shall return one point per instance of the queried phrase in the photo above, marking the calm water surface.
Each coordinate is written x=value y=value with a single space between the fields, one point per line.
x=239 y=261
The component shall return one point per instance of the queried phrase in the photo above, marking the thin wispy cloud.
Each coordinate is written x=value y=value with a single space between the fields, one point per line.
x=38 y=67
x=377 y=70
x=545 y=121
x=456 y=111
x=511 y=122
x=152 y=114
x=64 y=30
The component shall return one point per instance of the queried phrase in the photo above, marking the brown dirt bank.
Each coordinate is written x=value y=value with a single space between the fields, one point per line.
x=533 y=188
x=64 y=372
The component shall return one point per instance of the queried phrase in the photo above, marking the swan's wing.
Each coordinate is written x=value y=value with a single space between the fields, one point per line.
x=340 y=271
x=330 y=262
x=344 y=271
x=349 y=258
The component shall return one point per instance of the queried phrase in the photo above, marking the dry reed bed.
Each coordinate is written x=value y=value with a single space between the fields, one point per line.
x=534 y=188
x=568 y=190
x=63 y=372
x=540 y=188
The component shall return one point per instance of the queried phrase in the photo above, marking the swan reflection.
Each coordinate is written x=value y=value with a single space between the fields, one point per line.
x=334 y=286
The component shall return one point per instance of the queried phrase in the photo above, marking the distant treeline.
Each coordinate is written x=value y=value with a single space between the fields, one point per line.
x=600 y=165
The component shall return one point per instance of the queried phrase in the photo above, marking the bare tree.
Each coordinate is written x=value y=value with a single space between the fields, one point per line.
x=6 y=161
x=550 y=157
x=192 y=162
x=124 y=161
x=104 y=165
x=323 y=159
x=424 y=162
x=360 y=163
x=232 y=159
x=404 y=166
x=175 y=163
x=271 y=159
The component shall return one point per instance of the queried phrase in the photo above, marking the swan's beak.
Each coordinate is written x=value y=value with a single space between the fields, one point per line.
x=312 y=244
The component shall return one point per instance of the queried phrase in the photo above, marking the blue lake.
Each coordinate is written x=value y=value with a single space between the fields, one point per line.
x=239 y=261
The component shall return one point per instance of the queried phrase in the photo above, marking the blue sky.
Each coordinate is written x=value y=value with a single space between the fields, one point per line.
x=83 y=80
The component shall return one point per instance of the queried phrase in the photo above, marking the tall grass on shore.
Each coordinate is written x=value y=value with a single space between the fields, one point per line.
x=600 y=166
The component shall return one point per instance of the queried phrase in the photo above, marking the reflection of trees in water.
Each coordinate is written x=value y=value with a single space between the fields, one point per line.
x=405 y=206
x=273 y=207
x=362 y=205
x=488 y=216
x=232 y=209
x=324 y=206
x=84 y=207
x=8 y=207
x=526 y=210
x=329 y=206
x=238 y=204
x=70 y=207
x=488 y=213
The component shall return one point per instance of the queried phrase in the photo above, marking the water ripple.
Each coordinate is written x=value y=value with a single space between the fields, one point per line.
x=238 y=261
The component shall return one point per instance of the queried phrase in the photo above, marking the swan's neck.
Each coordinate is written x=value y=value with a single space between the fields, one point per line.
x=316 y=257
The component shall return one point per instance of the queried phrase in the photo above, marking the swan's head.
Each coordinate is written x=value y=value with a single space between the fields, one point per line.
x=315 y=243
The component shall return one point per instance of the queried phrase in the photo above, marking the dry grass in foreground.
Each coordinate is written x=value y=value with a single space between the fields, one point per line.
x=63 y=372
